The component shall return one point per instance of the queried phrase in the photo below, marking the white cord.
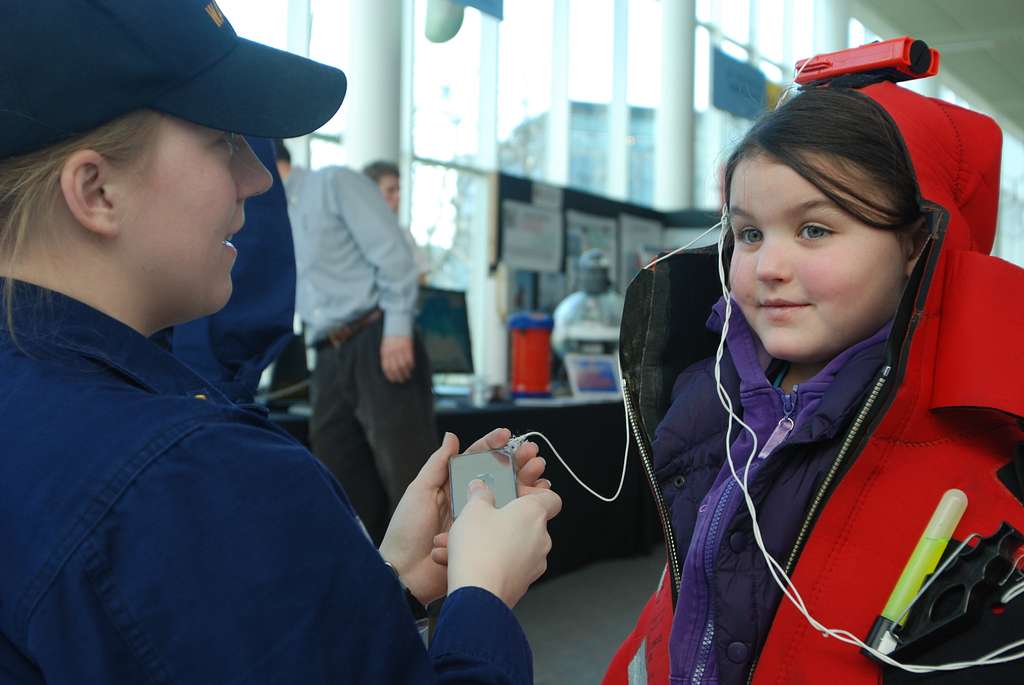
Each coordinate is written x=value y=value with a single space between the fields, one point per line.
x=936 y=574
x=686 y=246
x=622 y=479
x=1012 y=593
x=1013 y=569
x=786 y=94
x=775 y=569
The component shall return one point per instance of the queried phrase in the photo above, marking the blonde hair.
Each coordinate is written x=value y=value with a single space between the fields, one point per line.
x=30 y=184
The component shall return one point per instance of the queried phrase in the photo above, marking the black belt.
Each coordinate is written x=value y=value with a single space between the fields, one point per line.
x=342 y=334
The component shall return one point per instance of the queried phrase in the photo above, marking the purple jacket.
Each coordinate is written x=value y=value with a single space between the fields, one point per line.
x=727 y=599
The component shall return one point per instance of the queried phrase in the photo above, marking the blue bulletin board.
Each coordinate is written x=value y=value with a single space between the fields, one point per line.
x=737 y=87
x=491 y=7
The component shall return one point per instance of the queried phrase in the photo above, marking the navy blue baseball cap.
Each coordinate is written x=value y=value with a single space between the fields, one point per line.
x=68 y=66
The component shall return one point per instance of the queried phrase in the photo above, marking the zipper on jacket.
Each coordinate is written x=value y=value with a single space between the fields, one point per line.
x=782 y=428
x=708 y=637
x=827 y=482
x=674 y=565
x=789 y=401
x=779 y=434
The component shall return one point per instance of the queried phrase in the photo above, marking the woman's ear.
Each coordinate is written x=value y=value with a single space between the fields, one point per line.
x=914 y=240
x=84 y=184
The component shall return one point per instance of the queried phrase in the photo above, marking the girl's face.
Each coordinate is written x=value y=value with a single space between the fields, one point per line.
x=811 y=280
x=187 y=201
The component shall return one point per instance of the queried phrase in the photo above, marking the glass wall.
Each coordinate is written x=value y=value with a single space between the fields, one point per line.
x=455 y=126
x=264 y=22
x=643 y=95
x=446 y=92
x=445 y=203
x=591 y=37
x=770 y=35
x=327 y=19
x=525 y=47
x=1010 y=235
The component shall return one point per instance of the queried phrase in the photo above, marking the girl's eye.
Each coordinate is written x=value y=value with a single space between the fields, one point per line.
x=814 y=232
x=748 y=235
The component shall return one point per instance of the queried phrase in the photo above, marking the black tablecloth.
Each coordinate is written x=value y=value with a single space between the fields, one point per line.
x=591 y=438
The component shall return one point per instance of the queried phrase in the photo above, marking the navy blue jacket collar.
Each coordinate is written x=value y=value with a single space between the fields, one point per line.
x=50 y=324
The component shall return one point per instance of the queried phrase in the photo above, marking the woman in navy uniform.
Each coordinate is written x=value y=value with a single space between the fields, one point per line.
x=152 y=530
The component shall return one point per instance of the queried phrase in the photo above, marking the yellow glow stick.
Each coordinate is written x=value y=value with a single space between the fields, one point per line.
x=925 y=557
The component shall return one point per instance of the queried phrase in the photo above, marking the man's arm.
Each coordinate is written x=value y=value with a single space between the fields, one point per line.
x=375 y=230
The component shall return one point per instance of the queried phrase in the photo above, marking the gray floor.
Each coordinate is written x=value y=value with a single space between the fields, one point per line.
x=576 y=622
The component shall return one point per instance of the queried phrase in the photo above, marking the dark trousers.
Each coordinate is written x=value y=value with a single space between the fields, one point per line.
x=372 y=434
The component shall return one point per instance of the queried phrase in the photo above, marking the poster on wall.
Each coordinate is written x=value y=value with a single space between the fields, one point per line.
x=641 y=240
x=588 y=232
x=531 y=237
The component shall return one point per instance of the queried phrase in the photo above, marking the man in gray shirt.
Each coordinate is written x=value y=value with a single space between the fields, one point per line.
x=373 y=417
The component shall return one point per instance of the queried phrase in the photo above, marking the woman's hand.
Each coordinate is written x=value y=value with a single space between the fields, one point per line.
x=530 y=467
x=415 y=543
x=501 y=550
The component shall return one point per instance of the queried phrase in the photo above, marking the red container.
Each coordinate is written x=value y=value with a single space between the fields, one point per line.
x=531 y=354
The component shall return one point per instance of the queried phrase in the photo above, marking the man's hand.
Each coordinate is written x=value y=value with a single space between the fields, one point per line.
x=396 y=359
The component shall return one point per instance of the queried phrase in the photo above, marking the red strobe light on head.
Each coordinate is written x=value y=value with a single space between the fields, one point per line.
x=899 y=59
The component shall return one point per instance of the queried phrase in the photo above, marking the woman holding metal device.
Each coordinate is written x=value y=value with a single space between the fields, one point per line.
x=152 y=529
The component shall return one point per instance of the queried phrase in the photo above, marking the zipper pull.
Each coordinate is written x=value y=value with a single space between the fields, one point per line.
x=782 y=429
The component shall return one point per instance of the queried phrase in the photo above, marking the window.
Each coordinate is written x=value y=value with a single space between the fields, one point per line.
x=591 y=35
x=771 y=31
x=325 y=151
x=783 y=31
x=524 y=86
x=643 y=95
x=734 y=16
x=802 y=27
x=327 y=44
x=588 y=146
x=444 y=203
x=1010 y=233
x=446 y=91
x=264 y=22
x=860 y=34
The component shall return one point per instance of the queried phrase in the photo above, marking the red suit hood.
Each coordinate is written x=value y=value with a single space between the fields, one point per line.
x=956 y=156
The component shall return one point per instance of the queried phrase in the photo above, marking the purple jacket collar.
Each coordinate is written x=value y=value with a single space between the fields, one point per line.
x=762 y=402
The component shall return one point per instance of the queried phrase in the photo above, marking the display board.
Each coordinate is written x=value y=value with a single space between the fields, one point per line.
x=542 y=229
